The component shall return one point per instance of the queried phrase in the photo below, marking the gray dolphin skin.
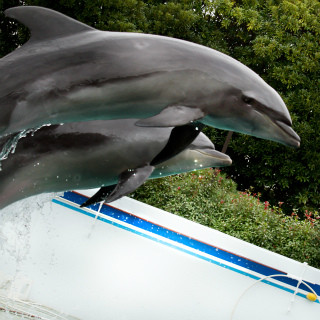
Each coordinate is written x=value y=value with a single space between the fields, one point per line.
x=69 y=71
x=92 y=154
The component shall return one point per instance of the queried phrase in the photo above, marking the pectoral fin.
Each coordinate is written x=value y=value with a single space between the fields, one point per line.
x=129 y=181
x=172 y=116
x=99 y=196
x=180 y=138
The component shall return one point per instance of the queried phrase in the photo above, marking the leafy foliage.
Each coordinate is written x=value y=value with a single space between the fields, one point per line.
x=280 y=41
x=209 y=198
x=9 y=36
x=158 y=17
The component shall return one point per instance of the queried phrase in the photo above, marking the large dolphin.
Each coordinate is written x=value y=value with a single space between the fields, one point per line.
x=92 y=154
x=69 y=71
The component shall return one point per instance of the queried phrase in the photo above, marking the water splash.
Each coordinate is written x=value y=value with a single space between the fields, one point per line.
x=11 y=144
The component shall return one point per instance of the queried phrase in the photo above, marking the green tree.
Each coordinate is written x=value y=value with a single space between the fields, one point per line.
x=173 y=18
x=9 y=39
x=102 y=14
x=280 y=41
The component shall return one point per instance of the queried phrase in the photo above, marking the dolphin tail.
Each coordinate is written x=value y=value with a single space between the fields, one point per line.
x=172 y=116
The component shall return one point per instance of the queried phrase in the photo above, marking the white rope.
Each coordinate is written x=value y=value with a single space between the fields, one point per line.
x=268 y=277
x=298 y=285
x=28 y=309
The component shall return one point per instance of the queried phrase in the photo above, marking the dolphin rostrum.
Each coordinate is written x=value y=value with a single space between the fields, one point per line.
x=83 y=155
x=69 y=71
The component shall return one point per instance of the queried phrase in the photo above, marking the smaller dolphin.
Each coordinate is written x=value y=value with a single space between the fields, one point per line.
x=69 y=71
x=92 y=154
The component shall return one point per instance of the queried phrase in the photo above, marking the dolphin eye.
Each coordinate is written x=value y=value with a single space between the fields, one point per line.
x=247 y=100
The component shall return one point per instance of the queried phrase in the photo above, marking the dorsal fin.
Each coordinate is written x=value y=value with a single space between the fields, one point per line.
x=46 y=24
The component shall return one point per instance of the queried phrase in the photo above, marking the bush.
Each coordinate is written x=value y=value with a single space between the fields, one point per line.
x=209 y=198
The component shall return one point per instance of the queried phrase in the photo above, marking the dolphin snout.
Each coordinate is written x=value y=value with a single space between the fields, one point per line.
x=221 y=159
x=292 y=139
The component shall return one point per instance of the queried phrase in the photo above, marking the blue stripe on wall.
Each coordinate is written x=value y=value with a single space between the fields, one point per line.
x=187 y=241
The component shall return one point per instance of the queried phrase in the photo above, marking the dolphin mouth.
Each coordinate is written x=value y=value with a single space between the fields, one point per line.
x=294 y=140
x=222 y=159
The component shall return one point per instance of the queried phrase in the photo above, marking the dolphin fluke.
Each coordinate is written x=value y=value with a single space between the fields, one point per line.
x=45 y=23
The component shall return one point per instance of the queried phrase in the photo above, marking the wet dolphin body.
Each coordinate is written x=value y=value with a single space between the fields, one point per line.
x=97 y=153
x=69 y=71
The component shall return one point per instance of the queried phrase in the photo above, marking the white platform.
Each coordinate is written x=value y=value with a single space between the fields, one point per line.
x=136 y=262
